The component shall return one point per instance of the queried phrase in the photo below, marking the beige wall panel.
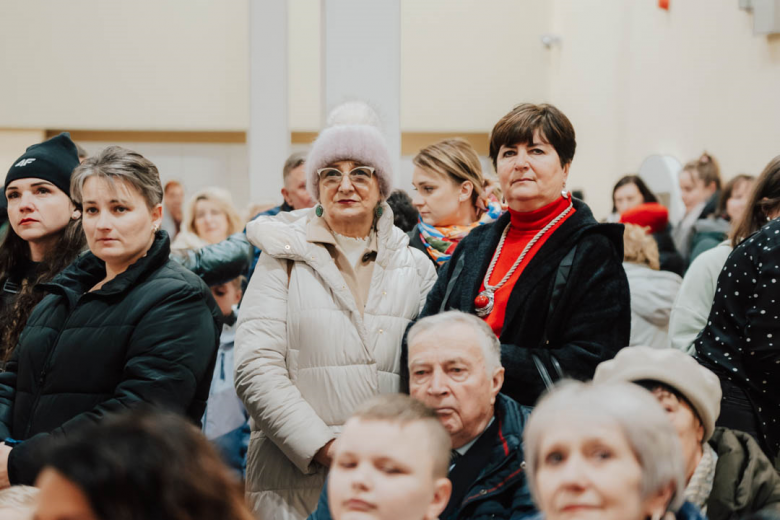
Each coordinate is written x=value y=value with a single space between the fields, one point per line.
x=124 y=65
x=305 y=72
x=636 y=80
x=13 y=143
x=465 y=63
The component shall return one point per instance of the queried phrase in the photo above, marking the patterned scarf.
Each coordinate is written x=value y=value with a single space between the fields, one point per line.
x=700 y=486
x=441 y=241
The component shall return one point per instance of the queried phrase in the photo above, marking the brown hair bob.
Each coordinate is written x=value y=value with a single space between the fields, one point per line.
x=519 y=126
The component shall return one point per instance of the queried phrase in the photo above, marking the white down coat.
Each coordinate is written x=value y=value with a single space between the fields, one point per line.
x=306 y=357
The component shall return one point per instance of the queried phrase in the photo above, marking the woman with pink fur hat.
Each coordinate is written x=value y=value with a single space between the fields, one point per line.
x=324 y=314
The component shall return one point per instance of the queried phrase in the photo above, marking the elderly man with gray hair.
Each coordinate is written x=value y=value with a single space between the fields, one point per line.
x=455 y=369
x=727 y=474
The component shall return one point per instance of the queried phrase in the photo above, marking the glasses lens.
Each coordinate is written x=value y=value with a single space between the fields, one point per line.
x=360 y=176
x=331 y=175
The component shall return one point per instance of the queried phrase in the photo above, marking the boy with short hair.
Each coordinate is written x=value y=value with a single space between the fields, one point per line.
x=390 y=463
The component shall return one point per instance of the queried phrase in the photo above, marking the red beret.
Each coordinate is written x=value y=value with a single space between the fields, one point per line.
x=649 y=214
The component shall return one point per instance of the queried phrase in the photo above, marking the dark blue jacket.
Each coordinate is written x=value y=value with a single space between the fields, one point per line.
x=500 y=491
x=255 y=250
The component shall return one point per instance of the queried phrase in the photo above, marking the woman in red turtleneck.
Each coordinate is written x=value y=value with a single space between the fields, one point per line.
x=507 y=272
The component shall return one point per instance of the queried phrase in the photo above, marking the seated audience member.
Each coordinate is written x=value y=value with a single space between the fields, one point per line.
x=121 y=326
x=226 y=422
x=455 y=369
x=655 y=217
x=700 y=188
x=652 y=291
x=210 y=218
x=738 y=341
x=296 y=195
x=18 y=503
x=173 y=212
x=604 y=452
x=405 y=215
x=44 y=234
x=727 y=475
x=713 y=230
x=143 y=465
x=390 y=463
x=694 y=301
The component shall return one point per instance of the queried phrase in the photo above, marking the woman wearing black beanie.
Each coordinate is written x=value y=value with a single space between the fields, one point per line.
x=45 y=232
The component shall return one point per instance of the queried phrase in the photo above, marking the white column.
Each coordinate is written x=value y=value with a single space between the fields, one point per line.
x=361 y=60
x=268 y=139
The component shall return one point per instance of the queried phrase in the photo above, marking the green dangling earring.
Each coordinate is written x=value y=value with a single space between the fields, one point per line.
x=379 y=211
x=319 y=210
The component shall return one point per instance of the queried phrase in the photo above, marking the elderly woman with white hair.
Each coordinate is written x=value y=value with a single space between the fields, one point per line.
x=604 y=452
x=322 y=320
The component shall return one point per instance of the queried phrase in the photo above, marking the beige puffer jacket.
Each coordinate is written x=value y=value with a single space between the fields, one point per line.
x=305 y=357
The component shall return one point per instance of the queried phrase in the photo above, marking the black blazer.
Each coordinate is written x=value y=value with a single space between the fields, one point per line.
x=591 y=320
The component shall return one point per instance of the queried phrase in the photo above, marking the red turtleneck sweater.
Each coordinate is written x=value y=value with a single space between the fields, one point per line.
x=523 y=227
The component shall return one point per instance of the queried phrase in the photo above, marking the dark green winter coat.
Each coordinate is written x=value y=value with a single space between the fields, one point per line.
x=745 y=480
x=148 y=336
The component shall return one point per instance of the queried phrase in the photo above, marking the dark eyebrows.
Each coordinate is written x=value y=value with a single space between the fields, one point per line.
x=34 y=185
x=112 y=201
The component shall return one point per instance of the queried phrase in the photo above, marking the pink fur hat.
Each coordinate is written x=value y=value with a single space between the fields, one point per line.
x=352 y=134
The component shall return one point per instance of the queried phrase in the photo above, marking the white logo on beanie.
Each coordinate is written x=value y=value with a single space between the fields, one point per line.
x=24 y=162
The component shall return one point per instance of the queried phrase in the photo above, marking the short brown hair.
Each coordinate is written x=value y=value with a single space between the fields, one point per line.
x=293 y=161
x=400 y=408
x=519 y=126
x=114 y=163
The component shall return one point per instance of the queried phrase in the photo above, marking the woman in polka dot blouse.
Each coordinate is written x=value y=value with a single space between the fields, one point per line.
x=741 y=341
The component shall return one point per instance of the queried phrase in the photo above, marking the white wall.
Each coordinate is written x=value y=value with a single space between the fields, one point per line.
x=124 y=65
x=466 y=63
x=198 y=165
x=636 y=80
x=13 y=143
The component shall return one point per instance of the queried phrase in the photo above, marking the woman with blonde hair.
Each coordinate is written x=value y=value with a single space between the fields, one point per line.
x=700 y=184
x=210 y=218
x=652 y=291
x=453 y=197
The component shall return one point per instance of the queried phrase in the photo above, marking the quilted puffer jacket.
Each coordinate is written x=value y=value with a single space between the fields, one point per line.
x=148 y=336
x=306 y=356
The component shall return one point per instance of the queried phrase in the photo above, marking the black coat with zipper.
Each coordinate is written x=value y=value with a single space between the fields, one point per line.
x=590 y=322
x=148 y=336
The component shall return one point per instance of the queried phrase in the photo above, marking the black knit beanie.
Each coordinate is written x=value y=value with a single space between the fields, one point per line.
x=53 y=160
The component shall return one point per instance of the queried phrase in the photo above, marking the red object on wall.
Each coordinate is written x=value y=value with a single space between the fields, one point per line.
x=663 y=4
